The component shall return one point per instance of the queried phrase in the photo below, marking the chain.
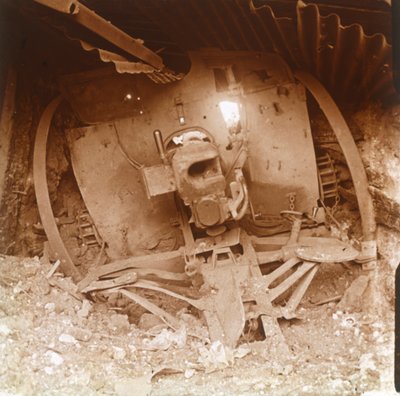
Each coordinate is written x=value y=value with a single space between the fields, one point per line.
x=336 y=204
x=329 y=212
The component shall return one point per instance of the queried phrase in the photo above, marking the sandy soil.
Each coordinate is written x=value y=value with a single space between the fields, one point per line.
x=52 y=343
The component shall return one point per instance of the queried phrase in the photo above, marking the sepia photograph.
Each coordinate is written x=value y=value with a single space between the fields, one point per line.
x=199 y=197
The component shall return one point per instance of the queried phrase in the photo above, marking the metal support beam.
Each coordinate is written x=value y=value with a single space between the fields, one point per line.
x=95 y=23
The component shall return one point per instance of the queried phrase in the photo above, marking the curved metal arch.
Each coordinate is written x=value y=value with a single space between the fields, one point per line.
x=349 y=148
x=42 y=192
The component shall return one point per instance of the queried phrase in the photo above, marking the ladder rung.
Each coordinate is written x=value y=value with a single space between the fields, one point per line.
x=88 y=234
x=330 y=192
x=327 y=172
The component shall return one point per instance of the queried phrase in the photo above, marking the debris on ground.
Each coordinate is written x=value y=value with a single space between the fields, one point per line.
x=352 y=300
x=53 y=343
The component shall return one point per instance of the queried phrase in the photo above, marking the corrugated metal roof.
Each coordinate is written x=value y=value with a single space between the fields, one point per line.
x=122 y=65
x=344 y=58
x=352 y=63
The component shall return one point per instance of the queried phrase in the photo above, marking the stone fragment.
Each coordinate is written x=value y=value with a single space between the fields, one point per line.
x=352 y=299
x=30 y=270
x=85 y=309
x=118 y=353
x=4 y=329
x=50 y=306
x=134 y=386
x=42 y=287
x=119 y=324
x=49 y=370
x=81 y=334
x=148 y=321
x=189 y=373
x=54 y=357
x=67 y=339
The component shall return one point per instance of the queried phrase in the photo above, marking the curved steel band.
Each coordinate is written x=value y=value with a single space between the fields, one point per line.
x=349 y=148
x=42 y=192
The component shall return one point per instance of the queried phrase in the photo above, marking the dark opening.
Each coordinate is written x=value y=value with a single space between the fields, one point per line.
x=201 y=168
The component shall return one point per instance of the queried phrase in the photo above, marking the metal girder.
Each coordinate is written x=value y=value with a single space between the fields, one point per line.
x=95 y=23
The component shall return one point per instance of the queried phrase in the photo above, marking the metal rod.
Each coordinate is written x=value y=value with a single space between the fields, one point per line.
x=160 y=145
x=299 y=292
x=65 y=6
x=289 y=281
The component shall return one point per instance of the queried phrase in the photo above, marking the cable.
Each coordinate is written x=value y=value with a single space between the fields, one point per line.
x=134 y=163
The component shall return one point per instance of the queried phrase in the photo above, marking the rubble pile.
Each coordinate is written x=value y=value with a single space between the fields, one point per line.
x=55 y=341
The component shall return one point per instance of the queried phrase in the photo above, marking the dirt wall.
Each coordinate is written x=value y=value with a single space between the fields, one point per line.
x=380 y=130
x=18 y=211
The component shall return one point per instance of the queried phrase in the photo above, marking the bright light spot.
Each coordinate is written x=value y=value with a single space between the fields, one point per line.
x=230 y=112
x=190 y=135
x=128 y=96
x=138 y=98
x=141 y=112
x=182 y=120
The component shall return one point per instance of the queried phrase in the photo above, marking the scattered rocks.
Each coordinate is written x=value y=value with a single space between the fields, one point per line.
x=133 y=386
x=81 y=334
x=30 y=270
x=148 y=321
x=118 y=353
x=352 y=300
x=67 y=339
x=166 y=339
x=50 y=306
x=218 y=356
x=4 y=330
x=55 y=342
x=119 y=324
x=41 y=286
x=189 y=373
x=85 y=309
x=54 y=357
